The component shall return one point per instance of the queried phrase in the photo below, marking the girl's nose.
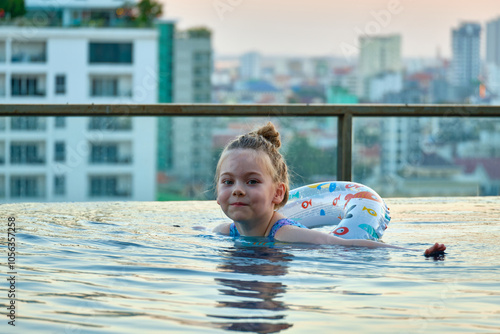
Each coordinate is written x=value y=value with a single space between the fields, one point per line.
x=238 y=190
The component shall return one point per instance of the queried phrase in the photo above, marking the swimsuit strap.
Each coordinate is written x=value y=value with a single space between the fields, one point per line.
x=233 y=231
x=280 y=223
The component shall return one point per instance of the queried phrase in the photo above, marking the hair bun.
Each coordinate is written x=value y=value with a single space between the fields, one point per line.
x=270 y=133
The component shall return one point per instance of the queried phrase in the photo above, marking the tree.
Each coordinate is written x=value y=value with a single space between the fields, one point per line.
x=148 y=11
x=307 y=162
x=12 y=8
x=199 y=32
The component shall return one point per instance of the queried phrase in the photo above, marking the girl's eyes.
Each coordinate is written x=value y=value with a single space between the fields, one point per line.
x=229 y=182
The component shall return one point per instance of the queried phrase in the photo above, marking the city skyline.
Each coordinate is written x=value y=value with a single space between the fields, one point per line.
x=234 y=32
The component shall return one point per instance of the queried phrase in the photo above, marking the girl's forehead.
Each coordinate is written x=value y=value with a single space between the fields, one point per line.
x=248 y=157
x=247 y=154
x=240 y=152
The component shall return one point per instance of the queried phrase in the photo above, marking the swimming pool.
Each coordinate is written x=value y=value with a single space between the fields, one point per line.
x=129 y=267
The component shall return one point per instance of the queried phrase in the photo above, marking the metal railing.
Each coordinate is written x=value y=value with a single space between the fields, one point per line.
x=344 y=113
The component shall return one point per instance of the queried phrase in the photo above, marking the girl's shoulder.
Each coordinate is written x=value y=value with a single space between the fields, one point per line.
x=223 y=228
x=283 y=222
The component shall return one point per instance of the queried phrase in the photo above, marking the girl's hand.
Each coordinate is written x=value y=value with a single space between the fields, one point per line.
x=437 y=249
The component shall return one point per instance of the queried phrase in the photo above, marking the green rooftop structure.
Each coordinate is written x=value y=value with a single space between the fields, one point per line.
x=340 y=95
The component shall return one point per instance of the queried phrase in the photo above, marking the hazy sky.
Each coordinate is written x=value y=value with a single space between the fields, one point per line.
x=328 y=27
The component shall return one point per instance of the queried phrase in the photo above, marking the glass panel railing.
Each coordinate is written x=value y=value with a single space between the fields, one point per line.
x=174 y=158
x=439 y=156
x=86 y=159
x=308 y=145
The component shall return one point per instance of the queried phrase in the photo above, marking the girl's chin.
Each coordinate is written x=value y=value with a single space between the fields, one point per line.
x=239 y=218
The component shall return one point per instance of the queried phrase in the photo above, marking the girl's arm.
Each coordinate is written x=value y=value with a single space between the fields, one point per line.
x=291 y=233
x=222 y=228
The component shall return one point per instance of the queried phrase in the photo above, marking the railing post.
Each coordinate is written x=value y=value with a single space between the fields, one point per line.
x=344 y=147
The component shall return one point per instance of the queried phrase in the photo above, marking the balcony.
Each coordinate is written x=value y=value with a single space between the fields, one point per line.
x=110 y=186
x=104 y=123
x=110 y=153
x=29 y=52
x=110 y=86
x=27 y=153
x=2 y=52
x=2 y=85
x=27 y=187
x=28 y=123
x=2 y=152
x=24 y=85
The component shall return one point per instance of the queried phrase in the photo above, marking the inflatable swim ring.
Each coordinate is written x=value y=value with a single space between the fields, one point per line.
x=357 y=210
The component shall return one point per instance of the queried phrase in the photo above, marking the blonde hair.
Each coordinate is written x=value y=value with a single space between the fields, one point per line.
x=265 y=139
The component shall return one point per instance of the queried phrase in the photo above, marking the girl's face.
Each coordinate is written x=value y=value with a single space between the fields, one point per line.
x=245 y=190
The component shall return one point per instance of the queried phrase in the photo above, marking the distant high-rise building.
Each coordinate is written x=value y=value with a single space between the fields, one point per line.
x=378 y=54
x=493 y=42
x=191 y=151
x=250 y=66
x=466 y=59
x=193 y=66
x=493 y=58
x=379 y=73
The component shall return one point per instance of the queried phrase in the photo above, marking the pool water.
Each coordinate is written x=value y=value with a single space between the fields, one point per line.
x=142 y=267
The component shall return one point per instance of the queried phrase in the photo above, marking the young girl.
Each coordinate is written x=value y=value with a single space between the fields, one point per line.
x=252 y=184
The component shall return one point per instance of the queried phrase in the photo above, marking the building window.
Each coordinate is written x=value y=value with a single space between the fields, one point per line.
x=2 y=85
x=2 y=186
x=26 y=153
x=110 y=153
x=60 y=185
x=26 y=186
x=27 y=123
x=110 y=186
x=60 y=84
x=104 y=87
x=60 y=152
x=60 y=122
x=2 y=153
x=110 y=123
x=27 y=85
x=2 y=52
x=29 y=52
x=111 y=86
x=104 y=153
x=110 y=53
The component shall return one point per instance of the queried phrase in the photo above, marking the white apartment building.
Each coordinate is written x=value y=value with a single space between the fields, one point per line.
x=77 y=158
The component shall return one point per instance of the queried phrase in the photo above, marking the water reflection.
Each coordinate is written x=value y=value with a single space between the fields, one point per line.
x=253 y=305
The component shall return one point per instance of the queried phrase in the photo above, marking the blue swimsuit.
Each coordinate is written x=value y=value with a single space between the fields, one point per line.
x=233 y=231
